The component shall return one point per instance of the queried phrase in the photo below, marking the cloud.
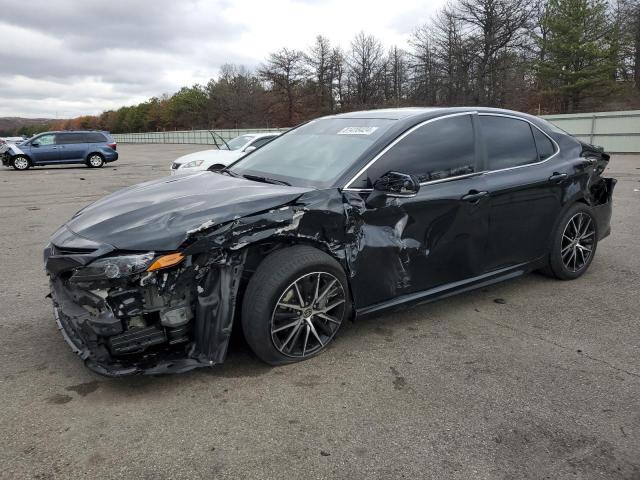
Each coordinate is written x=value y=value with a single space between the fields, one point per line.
x=70 y=57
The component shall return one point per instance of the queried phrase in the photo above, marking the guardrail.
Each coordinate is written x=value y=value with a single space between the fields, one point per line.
x=616 y=132
x=200 y=137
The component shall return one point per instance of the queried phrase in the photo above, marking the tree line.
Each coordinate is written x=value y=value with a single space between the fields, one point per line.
x=540 y=56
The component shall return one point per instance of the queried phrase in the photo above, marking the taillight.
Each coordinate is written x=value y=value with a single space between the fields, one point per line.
x=112 y=145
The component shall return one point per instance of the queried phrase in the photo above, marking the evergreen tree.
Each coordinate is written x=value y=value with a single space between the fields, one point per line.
x=578 y=60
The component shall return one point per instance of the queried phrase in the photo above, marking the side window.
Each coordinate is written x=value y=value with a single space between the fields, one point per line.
x=67 y=138
x=509 y=142
x=93 y=137
x=261 y=141
x=437 y=150
x=546 y=148
x=45 y=140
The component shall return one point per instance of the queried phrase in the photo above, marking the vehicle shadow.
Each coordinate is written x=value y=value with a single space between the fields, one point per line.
x=242 y=364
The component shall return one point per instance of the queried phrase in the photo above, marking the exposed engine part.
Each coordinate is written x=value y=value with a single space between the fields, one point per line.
x=179 y=334
x=136 y=340
x=176 y=317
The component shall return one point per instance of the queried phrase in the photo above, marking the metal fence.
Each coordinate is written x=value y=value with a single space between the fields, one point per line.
x=617 y=132
x=200 y=137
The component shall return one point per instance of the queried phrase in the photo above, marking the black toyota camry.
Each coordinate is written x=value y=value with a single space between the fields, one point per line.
x=338 y=218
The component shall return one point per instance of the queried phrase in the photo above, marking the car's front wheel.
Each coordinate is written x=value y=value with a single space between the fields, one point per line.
x=574 y=243
x=20 y=162
x=294 y=305
x=95 y=160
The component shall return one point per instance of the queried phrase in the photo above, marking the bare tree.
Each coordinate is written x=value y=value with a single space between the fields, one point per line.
x=365 y=64
x=496 y=26
x=423 y=66
x=337 y=82
x=319 y=60
x=396 y=78
x=284 y=70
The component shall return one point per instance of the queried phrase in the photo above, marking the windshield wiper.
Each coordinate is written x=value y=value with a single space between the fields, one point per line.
x=257 y=178
x=228 y=172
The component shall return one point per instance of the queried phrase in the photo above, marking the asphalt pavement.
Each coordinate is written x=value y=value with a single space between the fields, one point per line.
x=533 y=378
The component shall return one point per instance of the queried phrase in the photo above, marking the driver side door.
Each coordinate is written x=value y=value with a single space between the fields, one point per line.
x=44 y=149
x=431 y=241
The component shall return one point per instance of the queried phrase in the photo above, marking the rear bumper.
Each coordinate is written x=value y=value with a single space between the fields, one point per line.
x=603 y=209
x=111 y=156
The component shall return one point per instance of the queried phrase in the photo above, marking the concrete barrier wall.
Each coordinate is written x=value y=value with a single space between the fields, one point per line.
x=617 y=132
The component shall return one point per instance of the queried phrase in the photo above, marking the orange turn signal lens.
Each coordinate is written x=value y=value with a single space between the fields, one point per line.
x=166 y=261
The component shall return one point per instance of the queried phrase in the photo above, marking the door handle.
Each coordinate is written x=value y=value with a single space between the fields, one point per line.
x=474 y=196
x=556 y=177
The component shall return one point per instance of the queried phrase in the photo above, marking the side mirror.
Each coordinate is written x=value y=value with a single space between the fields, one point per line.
x=250 y=148
x=393 y=184
x=35 y=144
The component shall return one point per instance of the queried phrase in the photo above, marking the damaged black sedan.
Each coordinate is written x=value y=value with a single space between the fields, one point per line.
x=341 y=217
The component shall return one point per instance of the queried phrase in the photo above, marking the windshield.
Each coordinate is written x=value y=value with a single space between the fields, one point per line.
x=239 y=142
x=315 y=154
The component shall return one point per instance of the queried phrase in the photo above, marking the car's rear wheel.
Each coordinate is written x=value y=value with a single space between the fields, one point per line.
x=95 y=160
x=20 y=162
x=294 y=305
x=574 y=243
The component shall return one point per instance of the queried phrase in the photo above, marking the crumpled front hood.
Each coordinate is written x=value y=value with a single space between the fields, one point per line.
x=158 y=215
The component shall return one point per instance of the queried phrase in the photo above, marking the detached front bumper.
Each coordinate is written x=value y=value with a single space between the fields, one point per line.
x=168 y=321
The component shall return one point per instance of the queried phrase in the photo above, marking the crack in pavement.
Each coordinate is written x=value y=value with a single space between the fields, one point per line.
x=563 y=347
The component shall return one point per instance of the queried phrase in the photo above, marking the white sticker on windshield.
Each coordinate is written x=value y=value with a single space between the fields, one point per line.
x=357 y=130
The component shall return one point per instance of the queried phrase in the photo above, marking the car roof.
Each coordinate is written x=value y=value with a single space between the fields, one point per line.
x=75 y=131
x=388 y=113
x=405 y=113
x=260 y=135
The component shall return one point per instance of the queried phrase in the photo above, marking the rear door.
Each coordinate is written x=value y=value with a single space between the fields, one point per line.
x=524 y=185
x=73 y=146
x=435 y=238
x=43 y=149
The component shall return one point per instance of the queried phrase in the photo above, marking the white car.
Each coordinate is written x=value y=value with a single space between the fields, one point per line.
x=216 y=159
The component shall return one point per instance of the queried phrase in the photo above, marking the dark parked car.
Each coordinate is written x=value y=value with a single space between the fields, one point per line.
x=339 y=218
x=53 y=148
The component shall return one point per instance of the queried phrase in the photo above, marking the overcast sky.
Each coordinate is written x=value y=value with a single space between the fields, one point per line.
x=64 y=58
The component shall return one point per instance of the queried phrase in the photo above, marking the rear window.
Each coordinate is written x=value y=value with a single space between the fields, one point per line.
x=544 y=144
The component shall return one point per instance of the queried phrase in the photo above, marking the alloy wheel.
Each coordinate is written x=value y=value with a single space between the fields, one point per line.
x=21 y=163
x=577 y=243
x=95 y=160
x=308 y=314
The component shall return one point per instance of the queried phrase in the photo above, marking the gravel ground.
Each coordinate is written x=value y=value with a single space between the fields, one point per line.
x=533 y=378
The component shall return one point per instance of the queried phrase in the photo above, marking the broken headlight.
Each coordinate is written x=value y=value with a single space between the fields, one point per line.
x=114 y=267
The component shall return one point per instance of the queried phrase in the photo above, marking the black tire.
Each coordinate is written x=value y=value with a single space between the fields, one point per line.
x=560 y=264
x=216 y=167
x=273 y=279
x=20 y=162
x=95 y=160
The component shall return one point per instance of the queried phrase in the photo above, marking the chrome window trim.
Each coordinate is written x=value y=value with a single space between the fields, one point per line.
x=392 y=144
x=557 y=147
